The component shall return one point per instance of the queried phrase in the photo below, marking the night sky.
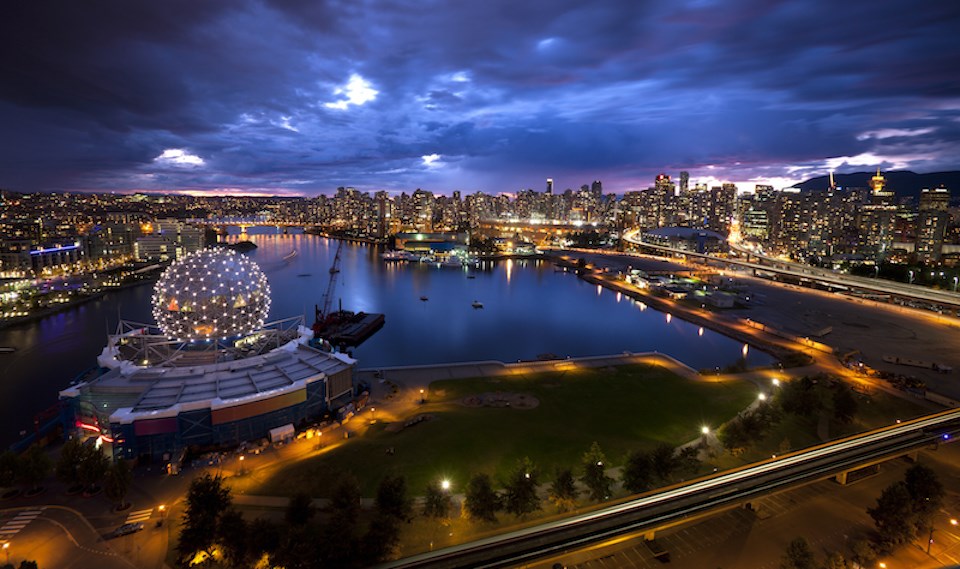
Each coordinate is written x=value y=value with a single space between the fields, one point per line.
x=301 y=96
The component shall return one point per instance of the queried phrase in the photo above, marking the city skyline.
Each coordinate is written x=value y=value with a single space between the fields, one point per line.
x=298 y=98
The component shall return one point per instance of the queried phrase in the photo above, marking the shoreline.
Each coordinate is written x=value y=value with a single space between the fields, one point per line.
x=53 y=310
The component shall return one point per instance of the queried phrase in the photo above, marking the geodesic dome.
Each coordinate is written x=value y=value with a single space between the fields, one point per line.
x=213 y=293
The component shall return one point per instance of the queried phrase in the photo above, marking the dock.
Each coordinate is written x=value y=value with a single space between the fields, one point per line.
x=350 y=329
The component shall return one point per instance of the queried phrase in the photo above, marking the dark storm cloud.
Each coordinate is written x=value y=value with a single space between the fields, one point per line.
x=303 y=96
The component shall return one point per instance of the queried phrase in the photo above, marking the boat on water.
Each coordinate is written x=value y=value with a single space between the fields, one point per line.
x=398 y=256
x=7 y=350
x=423 y=298
x=477 y=304
x=471 y=276
x=304 y=274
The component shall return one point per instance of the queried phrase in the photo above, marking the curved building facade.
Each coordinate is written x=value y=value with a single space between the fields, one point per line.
x=156 y=411
x=204 y=379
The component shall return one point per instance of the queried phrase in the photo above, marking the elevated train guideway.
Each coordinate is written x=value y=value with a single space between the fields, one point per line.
x=804 y=274
x=680 y=503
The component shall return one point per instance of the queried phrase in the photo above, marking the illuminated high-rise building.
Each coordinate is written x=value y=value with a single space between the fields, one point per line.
x=932 y=224
x=550 y=185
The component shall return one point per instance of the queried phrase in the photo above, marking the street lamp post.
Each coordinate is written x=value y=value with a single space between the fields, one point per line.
x=953 y=522
x=241 y=464
x=6 y=549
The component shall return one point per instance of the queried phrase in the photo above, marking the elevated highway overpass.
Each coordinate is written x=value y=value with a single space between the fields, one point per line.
x=947 y=300
x=684 y=502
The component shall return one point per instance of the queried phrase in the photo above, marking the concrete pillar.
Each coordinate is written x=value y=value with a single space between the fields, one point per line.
x=841 y=478
x=913 y=456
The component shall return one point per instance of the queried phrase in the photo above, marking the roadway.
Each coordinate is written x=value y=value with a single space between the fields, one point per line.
x=57 y=536
x=831 y=517
x=807 y=273
x=679 y=503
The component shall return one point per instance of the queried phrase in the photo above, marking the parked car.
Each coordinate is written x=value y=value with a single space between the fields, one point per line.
x=127 y=529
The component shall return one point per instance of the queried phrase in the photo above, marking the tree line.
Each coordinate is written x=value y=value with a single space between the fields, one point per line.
x=342 y=535
x=81 y=467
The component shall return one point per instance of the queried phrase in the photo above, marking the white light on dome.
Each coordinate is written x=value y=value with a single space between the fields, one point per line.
x=213 y=293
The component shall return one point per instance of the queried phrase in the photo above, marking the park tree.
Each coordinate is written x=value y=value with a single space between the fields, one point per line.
x=92 y=467
x=299 y=549
x=9 y=468
x=862 y=552
x=345 y=501
x=662 y=461
x=520 y=492
x=800 y=397
x=687 y=460
x=481 y=500
x=798 y=556
x=392 y=499
x=381 y=539
x=436 y=501
x=67 y=467
x=33 y=467
x=893 y=515
x=339 y=541
x=733 y=435
x=207 y=500
x=835 y=560
x=844 y=404
x=300 y=509
x=594 y=473
x=233 y=537
x=263 y=538
x=926 y=492
x=563 y=491
x=117 y=482
x=637 y=472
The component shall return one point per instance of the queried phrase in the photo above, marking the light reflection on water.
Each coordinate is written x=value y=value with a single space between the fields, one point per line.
x=530 y=308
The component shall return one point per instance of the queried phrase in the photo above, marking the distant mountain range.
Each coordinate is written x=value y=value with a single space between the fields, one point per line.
x=903 y=182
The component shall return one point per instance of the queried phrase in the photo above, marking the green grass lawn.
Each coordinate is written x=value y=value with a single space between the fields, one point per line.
x=622 y=408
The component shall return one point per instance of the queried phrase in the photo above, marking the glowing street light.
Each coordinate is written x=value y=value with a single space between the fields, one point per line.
x=6 y=549
x=762 y=396
x=705 y=430
x=445 y=484
x=776 y=382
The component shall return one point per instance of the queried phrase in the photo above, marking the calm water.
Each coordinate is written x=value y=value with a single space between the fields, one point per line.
x=530 y=308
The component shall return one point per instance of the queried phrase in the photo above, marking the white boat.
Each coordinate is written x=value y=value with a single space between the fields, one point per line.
x=451 y=262
x=477 y=304
x=398 y=256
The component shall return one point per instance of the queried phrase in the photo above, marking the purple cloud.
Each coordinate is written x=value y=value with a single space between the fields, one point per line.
x=300 y=96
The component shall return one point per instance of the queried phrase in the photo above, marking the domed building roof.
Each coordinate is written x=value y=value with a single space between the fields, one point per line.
x=213 y=293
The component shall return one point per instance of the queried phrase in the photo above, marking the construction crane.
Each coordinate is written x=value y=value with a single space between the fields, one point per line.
x=323 y=314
